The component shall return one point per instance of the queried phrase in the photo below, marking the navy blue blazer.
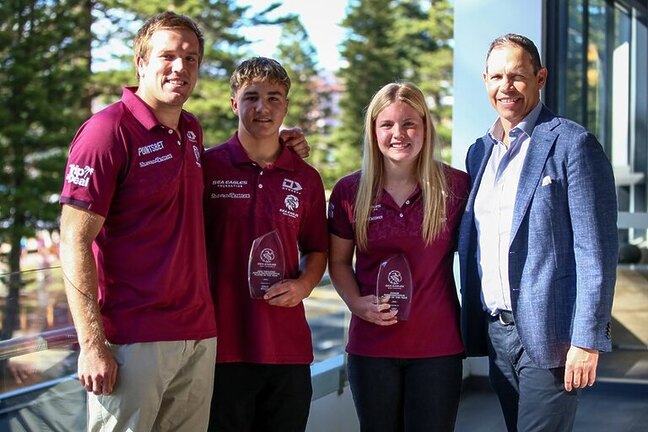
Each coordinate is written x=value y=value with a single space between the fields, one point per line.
x=563 y=249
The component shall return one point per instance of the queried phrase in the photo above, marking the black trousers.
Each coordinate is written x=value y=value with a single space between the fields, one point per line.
x=394 y=395
x=260 y=397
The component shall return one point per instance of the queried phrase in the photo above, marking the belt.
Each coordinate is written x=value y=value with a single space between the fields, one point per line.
x=505 y=317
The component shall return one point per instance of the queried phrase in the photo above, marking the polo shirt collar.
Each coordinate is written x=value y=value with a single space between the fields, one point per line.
x=386 y=199
x=285 y=161
x=496 y=132
x=141 y=111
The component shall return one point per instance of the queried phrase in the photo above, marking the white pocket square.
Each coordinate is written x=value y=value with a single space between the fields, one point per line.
x=546 y=181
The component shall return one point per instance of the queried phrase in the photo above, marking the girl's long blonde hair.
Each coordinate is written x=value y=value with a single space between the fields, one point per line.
x=429 y=171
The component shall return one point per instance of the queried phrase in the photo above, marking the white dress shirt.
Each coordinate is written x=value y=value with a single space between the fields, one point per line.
x=494 y=205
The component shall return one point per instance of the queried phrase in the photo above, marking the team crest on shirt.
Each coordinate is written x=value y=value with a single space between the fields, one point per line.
x=191 y=136
x=196 y=153
x=79 y=175
x=292 y=203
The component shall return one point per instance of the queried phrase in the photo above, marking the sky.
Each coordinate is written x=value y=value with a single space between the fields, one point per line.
x=320 y=19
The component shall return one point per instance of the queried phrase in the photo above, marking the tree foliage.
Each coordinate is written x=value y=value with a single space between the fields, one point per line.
x=47 y=89
x=392 y=41
x=45 y=63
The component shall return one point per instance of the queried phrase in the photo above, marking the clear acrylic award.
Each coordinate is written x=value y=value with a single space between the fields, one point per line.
x=266 y=264
x=395 y=279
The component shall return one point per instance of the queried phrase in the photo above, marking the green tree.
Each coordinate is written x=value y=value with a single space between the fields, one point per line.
x=434 y=67
x=220 y=21
x=372 y=59
x=44 y=67
x=310 y=96
x=299 y=57
x=393 y=41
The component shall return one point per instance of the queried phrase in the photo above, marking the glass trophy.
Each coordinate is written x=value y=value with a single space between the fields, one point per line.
x=395 y=279
x=266 y=264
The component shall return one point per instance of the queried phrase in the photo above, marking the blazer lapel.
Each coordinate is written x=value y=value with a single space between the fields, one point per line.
x=542 y=140
x=487 y=143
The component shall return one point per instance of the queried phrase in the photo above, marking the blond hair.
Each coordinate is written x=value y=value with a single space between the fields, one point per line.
x=256 y=69
x=429 y=171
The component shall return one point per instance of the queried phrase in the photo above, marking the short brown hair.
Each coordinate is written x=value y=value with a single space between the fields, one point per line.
x=259 y=68
x=165 y=20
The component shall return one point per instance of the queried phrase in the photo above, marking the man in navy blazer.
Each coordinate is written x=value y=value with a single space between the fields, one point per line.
x=538 y=247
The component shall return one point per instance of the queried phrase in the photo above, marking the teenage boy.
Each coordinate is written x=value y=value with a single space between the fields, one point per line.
x=254 y=186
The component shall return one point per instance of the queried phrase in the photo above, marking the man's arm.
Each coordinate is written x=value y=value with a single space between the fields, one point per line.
x=593 y=209
x=97 y=368
x=290 y=292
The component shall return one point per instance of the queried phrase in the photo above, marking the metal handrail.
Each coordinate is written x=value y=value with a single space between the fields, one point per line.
x=59 y=338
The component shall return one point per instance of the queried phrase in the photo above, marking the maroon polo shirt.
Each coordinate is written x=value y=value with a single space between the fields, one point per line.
x=243 y=202
x=432 y=329
x=147 y=182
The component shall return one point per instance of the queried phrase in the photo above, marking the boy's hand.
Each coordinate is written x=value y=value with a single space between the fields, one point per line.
x=286 y=293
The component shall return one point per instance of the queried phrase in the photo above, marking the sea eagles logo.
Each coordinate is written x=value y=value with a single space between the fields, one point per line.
x=267 y=255
x=79 y=176
x=191 y=135
x=291 y=202
x=394 y=277
x=196 y=152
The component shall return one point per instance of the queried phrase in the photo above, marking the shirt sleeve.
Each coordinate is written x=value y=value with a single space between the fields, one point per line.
x=95 y=163
x=340 y=211
x=313 y=235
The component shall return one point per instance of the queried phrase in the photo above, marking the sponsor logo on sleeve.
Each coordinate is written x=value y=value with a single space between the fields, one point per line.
x=196 y=154
x=79 y=175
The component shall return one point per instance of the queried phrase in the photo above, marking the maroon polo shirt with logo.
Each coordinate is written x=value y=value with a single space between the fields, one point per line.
x=146 y=181
x=243 y=202
x=432 y=329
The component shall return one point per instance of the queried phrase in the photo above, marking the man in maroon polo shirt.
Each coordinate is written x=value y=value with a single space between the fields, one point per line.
x=254 y=187
x=132 y=247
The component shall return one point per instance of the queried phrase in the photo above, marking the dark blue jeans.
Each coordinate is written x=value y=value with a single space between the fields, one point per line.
x=532 y=398
x=406 y=394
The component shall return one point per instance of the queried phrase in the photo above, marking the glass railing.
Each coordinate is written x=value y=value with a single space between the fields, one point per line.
x=38 y=385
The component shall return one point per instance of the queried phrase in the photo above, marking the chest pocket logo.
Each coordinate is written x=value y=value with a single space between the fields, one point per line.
x=291 y=202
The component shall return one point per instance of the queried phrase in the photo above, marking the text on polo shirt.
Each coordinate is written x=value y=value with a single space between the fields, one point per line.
x=78 y=175
x=158 y=146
